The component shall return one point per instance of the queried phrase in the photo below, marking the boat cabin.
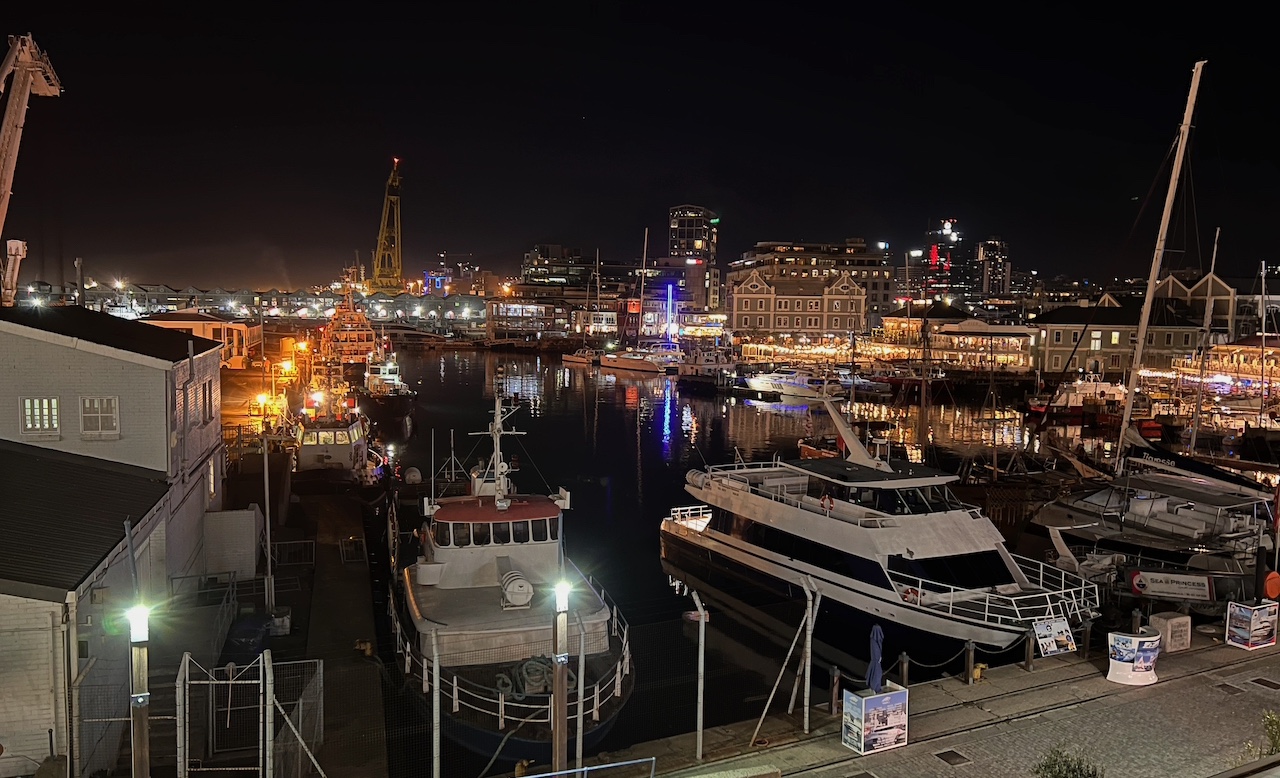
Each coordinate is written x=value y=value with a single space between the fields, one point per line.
x=333 y=443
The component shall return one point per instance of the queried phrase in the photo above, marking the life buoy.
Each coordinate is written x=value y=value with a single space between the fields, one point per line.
x=828 y=502
x=911 y=595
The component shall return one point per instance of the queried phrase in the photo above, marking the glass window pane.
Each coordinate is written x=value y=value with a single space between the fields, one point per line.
x=555 y=527
x=441 y=530
x=480 y=534
x=461 y=534
x=539 y=530
x=502 y=533
x=520 y=531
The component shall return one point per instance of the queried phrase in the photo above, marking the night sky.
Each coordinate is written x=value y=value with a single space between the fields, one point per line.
x=254 y=151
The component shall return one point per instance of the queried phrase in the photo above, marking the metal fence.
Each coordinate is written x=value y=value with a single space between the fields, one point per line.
x=263 y=719
x=293 y=552
x=353 y=551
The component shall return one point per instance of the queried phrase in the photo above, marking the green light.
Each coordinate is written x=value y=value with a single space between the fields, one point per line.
x=716 y=220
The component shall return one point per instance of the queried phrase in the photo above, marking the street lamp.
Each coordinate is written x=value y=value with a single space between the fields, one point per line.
x=560 y=683
x=139 y=695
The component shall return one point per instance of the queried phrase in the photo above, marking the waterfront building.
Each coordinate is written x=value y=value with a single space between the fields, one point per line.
x=956 y=339
x=947 y=269
x=1099 y=338
x=806 y=309
x=870 y=270
x=108 y=420
x=522 y=317
x=694 y=233
x=438 y=280
x=241 y=339
x=1214 y=292
x=549 y=263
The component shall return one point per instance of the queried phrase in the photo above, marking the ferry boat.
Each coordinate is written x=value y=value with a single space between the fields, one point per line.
x=584 y=356
x=793 y=382
x=881 y=541
x=477 y=610
x=384 y=397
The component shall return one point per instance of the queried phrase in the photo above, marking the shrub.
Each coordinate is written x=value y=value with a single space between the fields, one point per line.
x=1059 y=763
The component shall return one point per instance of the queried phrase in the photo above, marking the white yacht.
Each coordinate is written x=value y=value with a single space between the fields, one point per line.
x=880 y=539
x=661 y=358
x=584 y=356
x=794 y=382
x=481 y=604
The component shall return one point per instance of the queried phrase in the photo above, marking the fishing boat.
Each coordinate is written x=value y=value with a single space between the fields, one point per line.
x=586 y=357
x=477 y=612
x=796 y=382
x=881 y=540
x=384 y=397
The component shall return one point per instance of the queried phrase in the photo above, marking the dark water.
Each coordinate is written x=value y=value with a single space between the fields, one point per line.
x=622 y=445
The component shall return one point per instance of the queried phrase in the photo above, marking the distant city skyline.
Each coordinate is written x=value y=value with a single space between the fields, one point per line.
x=256 y=154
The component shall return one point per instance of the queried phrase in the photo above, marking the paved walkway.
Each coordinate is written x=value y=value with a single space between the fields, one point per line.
x=354 y=740
x=1194 y=722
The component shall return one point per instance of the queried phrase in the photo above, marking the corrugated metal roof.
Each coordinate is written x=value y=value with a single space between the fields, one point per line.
x=107 y=330
x=61 y=514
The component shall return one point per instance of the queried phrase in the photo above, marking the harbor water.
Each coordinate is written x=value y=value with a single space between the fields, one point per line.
x=622 y=446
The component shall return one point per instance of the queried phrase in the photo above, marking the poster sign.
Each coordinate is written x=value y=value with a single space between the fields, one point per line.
x=1250 y=626
x=1171 y=586
x=874 y=722
x=1133 y=657
x=1054 y=637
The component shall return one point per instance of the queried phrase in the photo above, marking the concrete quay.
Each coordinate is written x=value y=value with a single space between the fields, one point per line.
x=1195 y=721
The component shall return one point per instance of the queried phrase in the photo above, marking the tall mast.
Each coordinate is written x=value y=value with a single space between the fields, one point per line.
x=1204 y=344
x=1262 y=349
x=644 y=256
x=1184 y=132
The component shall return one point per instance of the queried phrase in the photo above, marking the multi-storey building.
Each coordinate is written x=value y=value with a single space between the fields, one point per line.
x=1100 y=338
x=694 y=233
x=992 y=260
x=105 y=420
x=809 y=308
x=785 y=260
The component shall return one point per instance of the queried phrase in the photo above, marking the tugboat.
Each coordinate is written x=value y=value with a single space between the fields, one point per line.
x=478 y=609
x=348 y=337
x=385 y=398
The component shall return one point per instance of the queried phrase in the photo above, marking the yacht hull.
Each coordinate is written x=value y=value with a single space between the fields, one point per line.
x=918 y=631
x=384 y=409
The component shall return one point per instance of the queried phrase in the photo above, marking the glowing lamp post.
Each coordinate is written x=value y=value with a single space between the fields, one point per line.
x=139 y=695
x=560 y=683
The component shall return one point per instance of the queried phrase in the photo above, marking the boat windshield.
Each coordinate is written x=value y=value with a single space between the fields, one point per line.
x=917 y=500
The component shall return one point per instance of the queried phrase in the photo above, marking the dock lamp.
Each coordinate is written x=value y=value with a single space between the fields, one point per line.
x=139 y=617
x=560 y=682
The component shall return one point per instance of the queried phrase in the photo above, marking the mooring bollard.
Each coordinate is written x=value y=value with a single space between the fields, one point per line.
x=1029 y=663
x=905 y=662
x=1137 y=620
x=1088 y=635
x=968 y=662
x=835 y=691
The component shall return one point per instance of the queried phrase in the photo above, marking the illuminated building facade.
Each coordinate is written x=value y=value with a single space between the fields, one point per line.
x=992 y=259
x=870 y=270
x=805 y=309
x=694 y=233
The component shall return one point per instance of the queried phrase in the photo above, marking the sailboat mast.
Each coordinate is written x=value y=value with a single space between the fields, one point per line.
x=644 y=256
x=1204 y=344
x=1262 y=349
x=1184 y=132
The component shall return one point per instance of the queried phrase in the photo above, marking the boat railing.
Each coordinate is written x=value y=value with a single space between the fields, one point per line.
x=837 y=510
x=694 y=517
x=502 y=709
x=1061 y=595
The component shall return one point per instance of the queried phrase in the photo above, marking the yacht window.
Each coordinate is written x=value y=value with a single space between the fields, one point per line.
x=480 y=534
x=440 y=529
x=520 y=531
x=953 y=503
x=343 y=437
x=554 y=523
x=934 y=498
x=326 y=437
x=461 y=534
x=502 y=533
x=914 y=500
x=539 y=530
x=865 y=497
x=309 y=439
x=887 y=501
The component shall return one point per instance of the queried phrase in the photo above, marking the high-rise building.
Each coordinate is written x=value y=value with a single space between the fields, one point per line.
x=948 y=271
x=694 y=233
x=992 y=259
x=556 y=265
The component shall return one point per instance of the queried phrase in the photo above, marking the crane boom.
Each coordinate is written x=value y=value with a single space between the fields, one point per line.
x=32 y=75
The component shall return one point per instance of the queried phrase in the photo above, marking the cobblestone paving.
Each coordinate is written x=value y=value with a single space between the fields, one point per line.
x=1184 y=728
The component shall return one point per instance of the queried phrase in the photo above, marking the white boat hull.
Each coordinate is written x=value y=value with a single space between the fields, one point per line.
x=772 y=386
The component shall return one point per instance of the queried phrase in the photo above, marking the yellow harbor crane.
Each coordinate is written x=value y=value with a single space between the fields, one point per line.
x=388 y=272
x=32 y=75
